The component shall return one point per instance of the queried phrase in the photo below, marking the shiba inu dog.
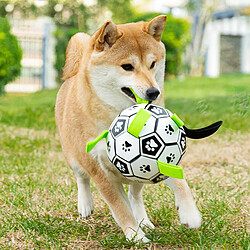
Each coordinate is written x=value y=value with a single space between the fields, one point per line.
x=98 y=75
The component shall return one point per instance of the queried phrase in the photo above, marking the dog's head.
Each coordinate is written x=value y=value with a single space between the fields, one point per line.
x=127 y=56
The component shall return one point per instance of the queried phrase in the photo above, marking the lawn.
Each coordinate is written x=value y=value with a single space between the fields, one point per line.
x=38 y=194
x=203 y=100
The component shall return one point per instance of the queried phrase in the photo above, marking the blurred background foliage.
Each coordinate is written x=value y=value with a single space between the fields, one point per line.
x=10 y=55
x=71 y=17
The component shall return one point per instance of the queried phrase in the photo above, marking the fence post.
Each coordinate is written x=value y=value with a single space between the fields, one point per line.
x=45 y=41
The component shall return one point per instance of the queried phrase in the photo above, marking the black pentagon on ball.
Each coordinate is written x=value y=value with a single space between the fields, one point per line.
x=119 y=127
x=159 y=177
x=157 y=111
x=110 y=146
x=122 y=166
x=151 y=145
x=182 y=141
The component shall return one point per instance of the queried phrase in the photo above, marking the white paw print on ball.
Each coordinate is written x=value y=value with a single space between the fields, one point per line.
x=121 y=167
x=118 y=126
x=151 y=145
x=156 y=110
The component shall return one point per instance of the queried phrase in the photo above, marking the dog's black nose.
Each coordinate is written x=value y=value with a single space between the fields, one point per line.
x=152 y=93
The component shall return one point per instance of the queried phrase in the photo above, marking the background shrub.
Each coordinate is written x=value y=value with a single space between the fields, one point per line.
x=62 y=36
x=10 y=55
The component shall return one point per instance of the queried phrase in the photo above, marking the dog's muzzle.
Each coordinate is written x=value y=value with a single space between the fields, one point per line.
x=151 y=94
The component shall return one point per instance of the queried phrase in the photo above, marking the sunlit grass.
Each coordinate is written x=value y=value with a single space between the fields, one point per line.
x=34 y=111
x=201 y=101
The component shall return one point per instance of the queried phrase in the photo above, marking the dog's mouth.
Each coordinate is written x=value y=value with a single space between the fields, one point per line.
x=129 y=93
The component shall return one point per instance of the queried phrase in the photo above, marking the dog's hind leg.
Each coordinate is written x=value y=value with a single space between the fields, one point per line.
x=184 y=202
x=85 y=200
x=137 y=204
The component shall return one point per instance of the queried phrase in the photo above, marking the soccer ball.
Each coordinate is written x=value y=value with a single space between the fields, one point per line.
x=136 y=146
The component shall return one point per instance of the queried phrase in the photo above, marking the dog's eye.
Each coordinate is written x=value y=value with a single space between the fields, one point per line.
x=152 y=65
x=128 y=67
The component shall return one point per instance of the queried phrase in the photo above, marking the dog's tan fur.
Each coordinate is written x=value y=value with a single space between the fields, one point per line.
x=84 y=109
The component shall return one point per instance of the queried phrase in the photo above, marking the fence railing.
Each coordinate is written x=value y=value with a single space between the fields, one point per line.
x=34 y=37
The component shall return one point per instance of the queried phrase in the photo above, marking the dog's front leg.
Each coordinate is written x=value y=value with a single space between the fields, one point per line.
x=85 y=200
x=136 y=201
x=184 y=202
x=115 y=196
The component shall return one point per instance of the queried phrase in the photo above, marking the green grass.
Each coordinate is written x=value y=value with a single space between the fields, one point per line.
x=34 y=111
x=200 y=101
x=38 y=192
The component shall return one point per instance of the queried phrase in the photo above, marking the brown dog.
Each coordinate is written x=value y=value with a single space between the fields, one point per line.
x=98 y=72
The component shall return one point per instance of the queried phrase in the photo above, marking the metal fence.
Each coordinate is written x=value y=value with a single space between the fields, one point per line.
x=34 y=37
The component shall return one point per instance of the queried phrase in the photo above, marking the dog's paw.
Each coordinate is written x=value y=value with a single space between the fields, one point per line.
x=85 y=207
x=189 y=215
x=85 y=210
x=146 y=223
x=136 y=235
x=85 y=200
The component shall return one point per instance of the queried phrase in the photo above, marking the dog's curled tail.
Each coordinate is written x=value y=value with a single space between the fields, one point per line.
x=74 y=53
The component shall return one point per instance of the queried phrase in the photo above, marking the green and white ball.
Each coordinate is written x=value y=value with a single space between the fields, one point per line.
x=160 y=140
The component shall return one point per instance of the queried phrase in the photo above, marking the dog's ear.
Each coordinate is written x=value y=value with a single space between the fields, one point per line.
x=156 y=27
x=74 y=53
x=106 y=36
